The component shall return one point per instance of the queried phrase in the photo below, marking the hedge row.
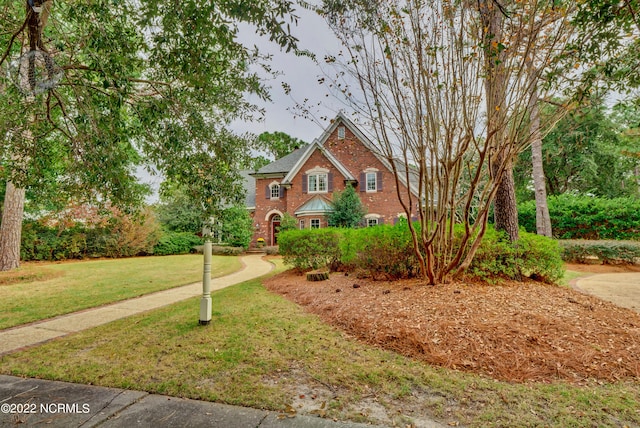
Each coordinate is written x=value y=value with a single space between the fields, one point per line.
x=607 y=252
x=386 y=252
x=583 y=217
x=43 y=243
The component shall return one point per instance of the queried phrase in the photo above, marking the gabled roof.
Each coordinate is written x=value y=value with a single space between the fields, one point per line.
x=308 y=151
x=316 y=205
x=284 y=164
x=341 y=118
x=289 y=165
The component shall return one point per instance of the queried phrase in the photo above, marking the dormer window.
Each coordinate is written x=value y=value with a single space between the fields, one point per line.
x=341 y=132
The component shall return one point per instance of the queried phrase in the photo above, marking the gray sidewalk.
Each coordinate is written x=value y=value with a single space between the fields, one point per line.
x=31 y=334
x=35 y=402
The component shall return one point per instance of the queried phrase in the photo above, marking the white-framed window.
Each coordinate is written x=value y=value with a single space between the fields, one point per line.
x=275 y=191
x=315 y=223
x=302 y=225
x=341 y=132
x=372 y=181
x=372 y=222
x=317 y=183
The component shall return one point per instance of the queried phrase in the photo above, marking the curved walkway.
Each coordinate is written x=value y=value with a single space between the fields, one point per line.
x=20 y=337
x=622 y=289
x=36 y=402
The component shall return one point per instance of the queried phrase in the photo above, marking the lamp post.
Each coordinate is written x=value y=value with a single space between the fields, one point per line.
x=205 y=301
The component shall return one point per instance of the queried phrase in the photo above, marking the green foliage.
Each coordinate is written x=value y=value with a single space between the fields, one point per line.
x=276 y=145
x=590 y=151
x=348 y=210
x=176 y=211
x=237 y=226
x=607 y=252
x=176 y=243
x=386 y=252
x=532 y=256
x=225 y=250
x=310 y=248
x=584 y=217
x=121 y=235
x=288 y=222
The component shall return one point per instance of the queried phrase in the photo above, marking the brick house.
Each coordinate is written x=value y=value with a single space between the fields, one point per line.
x=303 y=183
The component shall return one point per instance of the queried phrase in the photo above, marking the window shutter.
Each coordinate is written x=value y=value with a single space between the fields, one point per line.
x=330 y=182
x=267 y=192
x=380 y=220
x=282 y=189
x=304 y=183
x=363 y=182
x=379 y=181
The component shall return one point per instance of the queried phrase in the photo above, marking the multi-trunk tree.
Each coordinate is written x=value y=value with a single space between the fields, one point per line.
x=96 y=87
x=446 y=88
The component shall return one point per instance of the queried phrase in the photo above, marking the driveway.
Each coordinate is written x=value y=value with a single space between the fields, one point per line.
x=623 y=289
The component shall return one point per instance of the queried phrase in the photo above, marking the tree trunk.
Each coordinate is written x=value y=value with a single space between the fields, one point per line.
x=11 y=228
x=543 y=220
x=505 y=214
x=496 y=82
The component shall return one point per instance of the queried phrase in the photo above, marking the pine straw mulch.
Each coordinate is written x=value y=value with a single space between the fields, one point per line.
x=519 y=331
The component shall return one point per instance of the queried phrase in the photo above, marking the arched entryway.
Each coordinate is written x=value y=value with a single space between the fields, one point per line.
x=274 y=223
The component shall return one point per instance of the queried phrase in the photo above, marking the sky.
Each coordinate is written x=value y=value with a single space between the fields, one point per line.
x=302 y=74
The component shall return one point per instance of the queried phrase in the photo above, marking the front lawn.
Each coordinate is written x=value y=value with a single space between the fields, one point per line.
x=43 y=290
x=266 y=352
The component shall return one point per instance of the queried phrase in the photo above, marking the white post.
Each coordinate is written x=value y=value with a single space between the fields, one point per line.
x=205 y=302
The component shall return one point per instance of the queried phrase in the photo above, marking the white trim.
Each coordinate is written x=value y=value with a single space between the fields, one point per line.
x=272 y=212
x=305 y=157
x=271 y=186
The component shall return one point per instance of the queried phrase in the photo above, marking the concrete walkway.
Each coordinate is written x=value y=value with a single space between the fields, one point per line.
x=20 y=337
x=622 y=289
x=36 y=402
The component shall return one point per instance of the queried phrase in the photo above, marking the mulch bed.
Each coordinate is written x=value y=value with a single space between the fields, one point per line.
x=518 y=332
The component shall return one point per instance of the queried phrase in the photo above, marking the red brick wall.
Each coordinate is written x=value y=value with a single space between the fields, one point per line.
x=356 y=158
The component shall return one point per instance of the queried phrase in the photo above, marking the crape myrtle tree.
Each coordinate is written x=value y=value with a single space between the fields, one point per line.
x=97 y=86
x=446 y=88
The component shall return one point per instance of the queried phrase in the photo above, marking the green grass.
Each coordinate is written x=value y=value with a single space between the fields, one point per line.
x=260 y=349
x=570 y=275
x=47 y=289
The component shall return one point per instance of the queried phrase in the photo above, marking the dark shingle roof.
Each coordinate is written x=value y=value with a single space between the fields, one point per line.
x=284 y=164
x=249 y=184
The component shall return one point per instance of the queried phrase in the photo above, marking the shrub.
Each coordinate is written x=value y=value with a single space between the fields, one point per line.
x=608 y=252
x=379 y=252
x=272 y=250
x=176 y=243
x=120 y=235
x=237 y=228
x=584 y=217
x=310 y=248
x=532 y=256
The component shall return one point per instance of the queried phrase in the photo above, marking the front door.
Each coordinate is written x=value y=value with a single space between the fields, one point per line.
x=275 y=229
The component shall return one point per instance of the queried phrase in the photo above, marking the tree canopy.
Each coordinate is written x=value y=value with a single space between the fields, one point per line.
x=155 y=82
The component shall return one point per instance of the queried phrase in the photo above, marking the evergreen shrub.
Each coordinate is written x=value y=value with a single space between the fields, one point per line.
x=584 y=217
x=532 y=256
x=310 y=248
x=607 y=252
x=176 y=243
